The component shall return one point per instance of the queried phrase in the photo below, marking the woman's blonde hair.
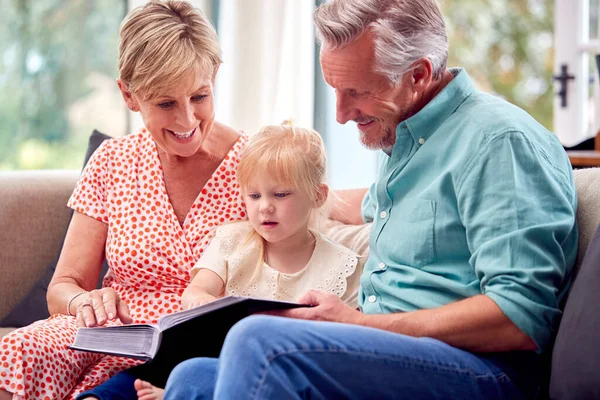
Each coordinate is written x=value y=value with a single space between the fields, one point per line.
x=293 y=156
x=161 y=43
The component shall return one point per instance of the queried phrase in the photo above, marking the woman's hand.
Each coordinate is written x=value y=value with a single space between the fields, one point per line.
x=100 y=306
x=196 y=300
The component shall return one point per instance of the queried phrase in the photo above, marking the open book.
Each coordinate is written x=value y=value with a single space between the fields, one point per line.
x=197 y=332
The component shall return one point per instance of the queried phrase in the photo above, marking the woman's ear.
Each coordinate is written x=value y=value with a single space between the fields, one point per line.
x=214 y=76
x=322 y=193
x=127 y=96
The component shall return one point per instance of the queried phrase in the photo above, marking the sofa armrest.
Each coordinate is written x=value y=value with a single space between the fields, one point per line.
x=33 y=220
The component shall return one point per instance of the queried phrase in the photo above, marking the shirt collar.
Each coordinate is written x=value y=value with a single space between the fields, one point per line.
x=424 y=123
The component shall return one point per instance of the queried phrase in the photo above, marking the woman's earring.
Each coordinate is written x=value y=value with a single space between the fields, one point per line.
x=132 y=108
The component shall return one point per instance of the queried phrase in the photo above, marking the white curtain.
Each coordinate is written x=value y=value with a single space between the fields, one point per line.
x=269 y=61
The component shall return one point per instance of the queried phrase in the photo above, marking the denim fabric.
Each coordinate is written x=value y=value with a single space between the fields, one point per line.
x=268 y=357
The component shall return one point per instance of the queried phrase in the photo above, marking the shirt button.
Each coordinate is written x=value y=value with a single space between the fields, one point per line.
x=383 y=214
x=381 y=265
x=421 y=141
x=372 y=299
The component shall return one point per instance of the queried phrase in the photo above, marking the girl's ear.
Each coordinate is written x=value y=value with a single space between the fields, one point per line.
x=322 y=193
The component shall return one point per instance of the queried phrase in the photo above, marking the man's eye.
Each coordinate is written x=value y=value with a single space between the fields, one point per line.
x=166 y=104
x=283 y=194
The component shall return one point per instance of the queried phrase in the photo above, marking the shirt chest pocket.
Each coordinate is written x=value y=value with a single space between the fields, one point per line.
x=407 y=238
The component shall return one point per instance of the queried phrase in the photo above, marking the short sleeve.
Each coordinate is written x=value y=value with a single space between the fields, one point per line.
x=89 y=196
x=213 y=259
x=518 y=209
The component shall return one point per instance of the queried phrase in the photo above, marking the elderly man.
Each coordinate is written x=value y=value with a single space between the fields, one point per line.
x=472 y=243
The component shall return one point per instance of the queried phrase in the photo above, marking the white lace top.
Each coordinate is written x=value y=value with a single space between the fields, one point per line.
x=332 y=268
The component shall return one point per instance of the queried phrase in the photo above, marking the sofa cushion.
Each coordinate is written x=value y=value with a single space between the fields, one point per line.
x=576 y=354
x=33 y=221
x=587 y=183
x=33 y=306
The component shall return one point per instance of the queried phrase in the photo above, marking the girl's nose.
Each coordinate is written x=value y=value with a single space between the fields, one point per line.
x=266 y=207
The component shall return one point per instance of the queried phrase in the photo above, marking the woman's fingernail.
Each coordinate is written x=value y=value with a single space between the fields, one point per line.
x=110 y=316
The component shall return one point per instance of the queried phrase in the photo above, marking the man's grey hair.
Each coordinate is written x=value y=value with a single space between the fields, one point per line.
x=404 y=30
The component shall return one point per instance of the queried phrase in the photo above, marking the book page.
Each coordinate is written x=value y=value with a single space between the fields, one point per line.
x=138 y=340
x=171 y=320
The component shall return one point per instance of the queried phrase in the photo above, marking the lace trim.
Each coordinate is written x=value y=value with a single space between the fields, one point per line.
x=337 y=280
x=236 y=252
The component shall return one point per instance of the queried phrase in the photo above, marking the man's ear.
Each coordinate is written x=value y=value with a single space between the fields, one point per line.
x=127 y=96
x=322 y=193
x=421 y=74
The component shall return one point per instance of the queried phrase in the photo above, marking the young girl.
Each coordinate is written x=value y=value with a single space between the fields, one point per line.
x=273 y=255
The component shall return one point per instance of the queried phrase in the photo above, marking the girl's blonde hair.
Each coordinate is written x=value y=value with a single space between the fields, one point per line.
x=162 y=42
x=293 y=156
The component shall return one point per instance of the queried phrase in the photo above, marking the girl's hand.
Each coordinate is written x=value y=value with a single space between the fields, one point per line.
x=100 y=306
x=197 y=300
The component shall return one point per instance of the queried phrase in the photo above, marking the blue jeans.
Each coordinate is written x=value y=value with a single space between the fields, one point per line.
x=267 y=357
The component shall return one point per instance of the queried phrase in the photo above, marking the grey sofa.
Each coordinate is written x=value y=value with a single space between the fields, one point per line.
x=34 y=218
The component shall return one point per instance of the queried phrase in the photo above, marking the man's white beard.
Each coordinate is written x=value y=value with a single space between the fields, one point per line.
x=386 y=143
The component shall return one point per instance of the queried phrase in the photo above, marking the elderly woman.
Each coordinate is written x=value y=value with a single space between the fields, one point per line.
x=148 y=202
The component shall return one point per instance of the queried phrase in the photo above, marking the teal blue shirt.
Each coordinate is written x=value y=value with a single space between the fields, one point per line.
x=476 y=197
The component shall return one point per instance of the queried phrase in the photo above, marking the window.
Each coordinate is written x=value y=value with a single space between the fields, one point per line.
x=57 y=79
x=576 y=110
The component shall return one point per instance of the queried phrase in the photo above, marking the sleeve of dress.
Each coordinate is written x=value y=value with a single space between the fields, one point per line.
x=89 y=196
x=213 y=258
x=517 y=204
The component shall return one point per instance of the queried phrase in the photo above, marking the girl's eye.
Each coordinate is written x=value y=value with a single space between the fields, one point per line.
x=281 y=195
x=167 y=104
x=254 y=196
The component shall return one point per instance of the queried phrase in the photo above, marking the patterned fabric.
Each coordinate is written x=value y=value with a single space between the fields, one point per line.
x=149 y=253
x=332 y=268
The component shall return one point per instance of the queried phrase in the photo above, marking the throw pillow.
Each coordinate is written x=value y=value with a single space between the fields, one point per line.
x=33 y=306
x=576 y=354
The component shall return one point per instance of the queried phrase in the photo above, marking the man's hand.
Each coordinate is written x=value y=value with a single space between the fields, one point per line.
x=326 y=307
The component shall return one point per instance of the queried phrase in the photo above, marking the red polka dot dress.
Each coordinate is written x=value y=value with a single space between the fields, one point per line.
x=149 y=253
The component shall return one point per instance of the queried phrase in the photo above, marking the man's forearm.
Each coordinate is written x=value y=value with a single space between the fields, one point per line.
x=345 y=206
x=476 y=324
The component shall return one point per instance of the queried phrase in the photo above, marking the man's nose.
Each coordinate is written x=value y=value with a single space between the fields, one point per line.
x=344 y=110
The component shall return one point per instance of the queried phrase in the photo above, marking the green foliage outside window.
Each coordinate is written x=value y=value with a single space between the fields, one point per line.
x=57 y=59
x=58 y=65
x=506 y=46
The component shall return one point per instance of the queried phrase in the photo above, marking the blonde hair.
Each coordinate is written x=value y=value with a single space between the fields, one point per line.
x=293 y=156
x=163 y=42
